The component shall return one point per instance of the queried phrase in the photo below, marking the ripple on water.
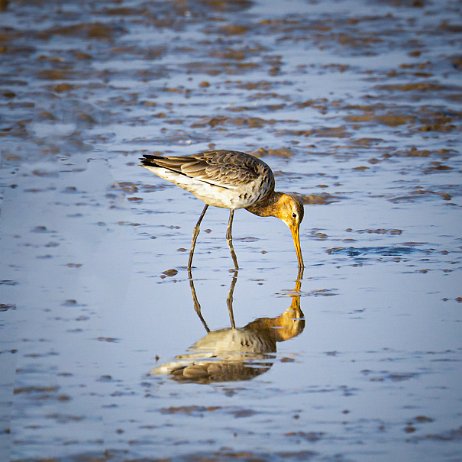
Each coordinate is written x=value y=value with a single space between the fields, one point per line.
x=385 y=251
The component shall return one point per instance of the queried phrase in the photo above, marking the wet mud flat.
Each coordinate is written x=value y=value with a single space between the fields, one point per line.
x=109 y=352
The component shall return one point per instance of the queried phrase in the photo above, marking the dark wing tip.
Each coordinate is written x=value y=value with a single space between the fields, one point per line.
x=149 y=160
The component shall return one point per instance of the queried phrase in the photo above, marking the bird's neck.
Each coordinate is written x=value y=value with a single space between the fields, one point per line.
x=268 y=206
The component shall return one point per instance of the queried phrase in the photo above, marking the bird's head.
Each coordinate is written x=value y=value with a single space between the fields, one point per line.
x=290 y=210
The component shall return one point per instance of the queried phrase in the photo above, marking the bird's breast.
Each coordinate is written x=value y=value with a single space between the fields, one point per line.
x=232 y=197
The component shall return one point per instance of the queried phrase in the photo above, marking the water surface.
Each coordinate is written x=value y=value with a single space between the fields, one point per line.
x=355 y=105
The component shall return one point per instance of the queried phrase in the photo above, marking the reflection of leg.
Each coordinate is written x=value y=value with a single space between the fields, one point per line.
x=229 y=238
x=195 y=234
x=229 y=300
x=197 y=306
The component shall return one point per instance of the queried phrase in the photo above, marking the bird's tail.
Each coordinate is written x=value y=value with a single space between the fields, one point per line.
x=150 y=160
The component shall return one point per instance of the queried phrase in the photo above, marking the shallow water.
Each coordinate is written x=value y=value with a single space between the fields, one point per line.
x=355 y=105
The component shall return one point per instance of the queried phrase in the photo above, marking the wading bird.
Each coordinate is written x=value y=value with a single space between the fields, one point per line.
x=232 y=180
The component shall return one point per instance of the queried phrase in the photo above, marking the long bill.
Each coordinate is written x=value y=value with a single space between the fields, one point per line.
x=296 y=237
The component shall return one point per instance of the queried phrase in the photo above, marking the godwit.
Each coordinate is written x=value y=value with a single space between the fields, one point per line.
x=232 y=180
x=236 y=353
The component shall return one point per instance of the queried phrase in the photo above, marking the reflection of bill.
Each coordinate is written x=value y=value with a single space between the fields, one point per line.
x=236 y=353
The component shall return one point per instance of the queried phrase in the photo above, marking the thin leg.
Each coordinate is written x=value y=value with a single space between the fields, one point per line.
x=196 y=231
x=229 y=300
x=229 y=238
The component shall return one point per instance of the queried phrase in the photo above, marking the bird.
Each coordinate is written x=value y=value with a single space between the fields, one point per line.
x=232 y=180
x=235 y=353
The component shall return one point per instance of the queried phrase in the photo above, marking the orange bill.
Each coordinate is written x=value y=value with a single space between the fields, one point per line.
x=296 y=237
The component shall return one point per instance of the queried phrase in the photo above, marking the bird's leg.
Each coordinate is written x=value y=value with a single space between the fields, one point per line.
x=196 y=231
x=229 y=300
x=229 y=238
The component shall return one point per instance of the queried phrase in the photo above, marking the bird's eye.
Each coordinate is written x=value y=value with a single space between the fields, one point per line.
x=294 y=215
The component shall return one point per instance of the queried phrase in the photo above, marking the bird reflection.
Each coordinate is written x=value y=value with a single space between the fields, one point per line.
x=236 y=353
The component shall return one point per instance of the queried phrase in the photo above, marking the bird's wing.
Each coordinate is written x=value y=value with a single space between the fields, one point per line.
x=228 y=169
